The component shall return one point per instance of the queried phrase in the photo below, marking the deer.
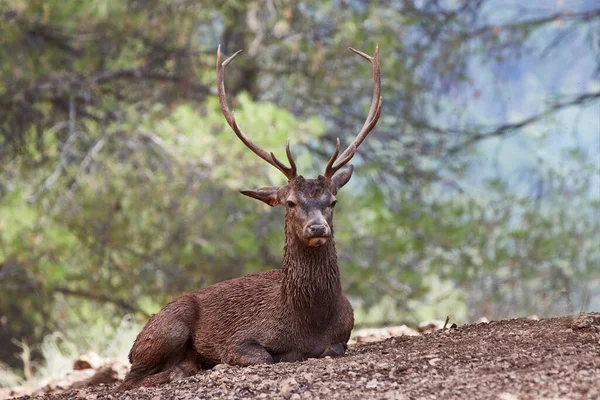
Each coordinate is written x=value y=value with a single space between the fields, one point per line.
x=287 y=314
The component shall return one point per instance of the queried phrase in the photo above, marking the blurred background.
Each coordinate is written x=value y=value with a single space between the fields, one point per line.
x=477 y=194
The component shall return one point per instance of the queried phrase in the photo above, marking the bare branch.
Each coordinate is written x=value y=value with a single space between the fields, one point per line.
x=140 y=73
x=124 y=305
x=563 y=16
x=59 y=167
x=482 y=133
x=73 y=82
x=89 y=157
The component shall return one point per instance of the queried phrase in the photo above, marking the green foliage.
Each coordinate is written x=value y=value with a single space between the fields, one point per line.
x=119 y=175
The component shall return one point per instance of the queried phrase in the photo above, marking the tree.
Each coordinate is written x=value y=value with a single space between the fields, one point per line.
x=119 y=176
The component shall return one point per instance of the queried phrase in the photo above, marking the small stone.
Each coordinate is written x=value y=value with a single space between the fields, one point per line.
x=430 y=326
x=583 y=321
x=88 y=360
x=306 y=395
x=220 y=367
x=434 y=362
x=507 y=396
x=288 y=387
x=372 y=384
x=324 y=391
x=307 y=376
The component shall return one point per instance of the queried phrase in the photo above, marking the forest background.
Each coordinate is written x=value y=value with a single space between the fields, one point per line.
x=477 y=194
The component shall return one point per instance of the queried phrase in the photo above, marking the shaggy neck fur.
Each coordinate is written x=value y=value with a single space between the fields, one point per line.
x=312 y=277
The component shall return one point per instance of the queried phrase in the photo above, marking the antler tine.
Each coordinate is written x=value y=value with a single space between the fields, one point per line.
x=328 y=171
x=289 y=172
x=288 y=153
x=349 y=152
x=335 y=164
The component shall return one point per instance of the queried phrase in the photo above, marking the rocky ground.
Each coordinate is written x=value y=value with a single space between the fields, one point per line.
x=556 y=358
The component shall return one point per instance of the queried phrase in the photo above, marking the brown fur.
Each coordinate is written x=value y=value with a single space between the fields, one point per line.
x=289 y=314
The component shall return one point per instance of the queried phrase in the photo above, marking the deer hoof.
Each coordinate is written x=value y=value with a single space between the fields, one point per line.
x=333 y=350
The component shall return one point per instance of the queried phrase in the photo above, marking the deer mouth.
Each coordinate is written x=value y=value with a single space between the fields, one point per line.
x=317 y=241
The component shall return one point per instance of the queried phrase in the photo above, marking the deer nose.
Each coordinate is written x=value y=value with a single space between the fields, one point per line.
x=317 y=230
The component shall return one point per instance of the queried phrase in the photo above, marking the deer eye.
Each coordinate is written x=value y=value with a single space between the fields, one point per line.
x=333 y=203
x=291 y=204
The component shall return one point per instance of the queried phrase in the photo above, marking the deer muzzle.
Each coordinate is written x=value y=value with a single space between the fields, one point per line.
x=318 y=230
x=317 y=233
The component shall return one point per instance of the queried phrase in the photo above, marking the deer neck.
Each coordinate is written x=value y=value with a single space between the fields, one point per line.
x=311 y=277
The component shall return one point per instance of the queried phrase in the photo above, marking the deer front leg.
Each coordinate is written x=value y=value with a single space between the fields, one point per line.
x=181 y=370
x=248 y=353
x=334 y=350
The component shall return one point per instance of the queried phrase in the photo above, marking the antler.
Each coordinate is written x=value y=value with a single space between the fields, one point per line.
x=334 y=163
x=289 y=172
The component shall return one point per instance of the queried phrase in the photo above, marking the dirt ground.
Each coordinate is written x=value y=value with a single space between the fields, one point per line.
x=555 y=358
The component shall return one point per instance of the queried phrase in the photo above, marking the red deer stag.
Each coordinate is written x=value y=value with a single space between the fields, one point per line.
x=287 y=314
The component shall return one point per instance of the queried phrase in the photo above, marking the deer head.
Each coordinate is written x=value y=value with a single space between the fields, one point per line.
x=309 y=202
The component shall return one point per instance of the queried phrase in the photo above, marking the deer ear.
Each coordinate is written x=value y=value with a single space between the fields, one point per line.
x=268 y=195
x=341 y=178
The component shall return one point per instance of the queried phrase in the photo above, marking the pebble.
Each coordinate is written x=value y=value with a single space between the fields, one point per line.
x=434 y=362
x=372 y=384
x=288 y=387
